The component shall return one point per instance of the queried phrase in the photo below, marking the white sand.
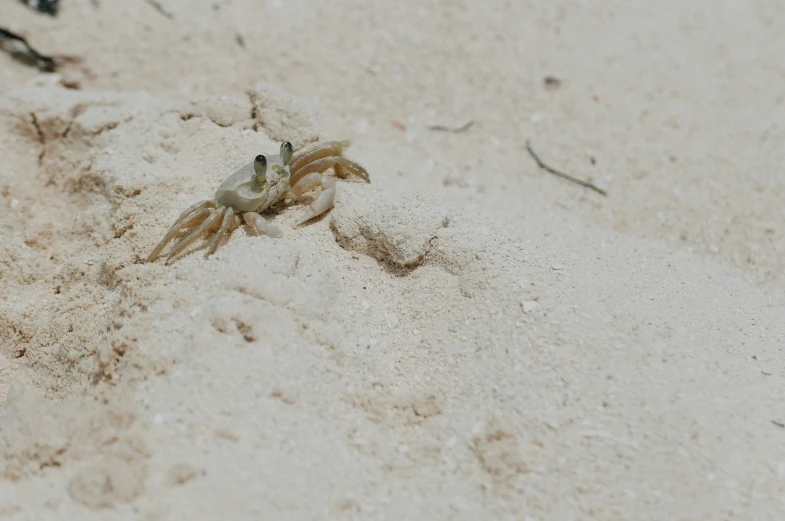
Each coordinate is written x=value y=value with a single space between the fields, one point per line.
x=467 y=337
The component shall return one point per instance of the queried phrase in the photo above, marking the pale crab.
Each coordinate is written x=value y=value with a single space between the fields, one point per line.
x=259 y=185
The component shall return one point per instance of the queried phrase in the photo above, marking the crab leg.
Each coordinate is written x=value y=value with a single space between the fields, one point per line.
x=194 y=207
x=225 y=223
x=324 y=156
x=215 y=216
x=190 y=221
x=322 y=150
x=343 y=166
x=340 y=164
x=322 y=203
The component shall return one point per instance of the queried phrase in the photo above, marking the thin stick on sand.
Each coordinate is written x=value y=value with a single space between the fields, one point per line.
x=558 y=173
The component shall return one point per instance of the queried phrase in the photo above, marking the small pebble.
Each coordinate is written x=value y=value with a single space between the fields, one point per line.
x=529 y=305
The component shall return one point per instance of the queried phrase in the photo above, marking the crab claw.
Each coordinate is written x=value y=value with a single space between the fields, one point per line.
x=261 y=226
x=322 y=203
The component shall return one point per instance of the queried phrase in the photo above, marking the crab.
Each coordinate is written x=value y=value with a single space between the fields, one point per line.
x=256 y=187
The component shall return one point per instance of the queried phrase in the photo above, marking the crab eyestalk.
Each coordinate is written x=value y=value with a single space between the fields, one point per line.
x=260 y=168
x=287 y=151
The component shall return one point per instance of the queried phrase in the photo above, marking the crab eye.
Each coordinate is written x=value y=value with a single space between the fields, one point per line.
x=286 y=152
x=260 y=167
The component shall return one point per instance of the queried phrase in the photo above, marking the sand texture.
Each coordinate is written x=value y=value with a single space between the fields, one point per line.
x=467 y=337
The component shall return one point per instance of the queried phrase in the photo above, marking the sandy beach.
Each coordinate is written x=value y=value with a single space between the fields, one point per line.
x=466 y=337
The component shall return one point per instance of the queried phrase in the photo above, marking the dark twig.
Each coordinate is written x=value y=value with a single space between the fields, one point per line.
x=20 y=49
x=158 y=7
x=557 y=173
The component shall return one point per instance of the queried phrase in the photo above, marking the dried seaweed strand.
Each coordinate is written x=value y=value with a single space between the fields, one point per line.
x=455 y=130
x=18 y=47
